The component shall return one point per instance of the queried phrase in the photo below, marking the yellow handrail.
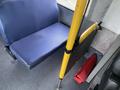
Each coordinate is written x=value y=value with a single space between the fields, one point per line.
x=88 y=32
x=76 y=22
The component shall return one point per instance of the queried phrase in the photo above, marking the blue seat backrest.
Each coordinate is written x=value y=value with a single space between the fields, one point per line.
x=20 y=18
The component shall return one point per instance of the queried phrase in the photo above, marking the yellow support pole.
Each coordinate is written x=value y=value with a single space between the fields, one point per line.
x=76 y=22
x=88 y=32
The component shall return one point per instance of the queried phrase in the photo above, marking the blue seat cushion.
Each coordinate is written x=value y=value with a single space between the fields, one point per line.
x=32 y=49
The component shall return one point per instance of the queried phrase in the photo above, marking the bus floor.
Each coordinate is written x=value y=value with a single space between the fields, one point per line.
x=15 y=76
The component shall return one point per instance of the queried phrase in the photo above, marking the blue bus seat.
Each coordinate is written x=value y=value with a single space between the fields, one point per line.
x=30 y=28
x=33 y=48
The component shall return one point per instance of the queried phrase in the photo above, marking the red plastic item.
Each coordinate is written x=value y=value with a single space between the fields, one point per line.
x=87 y=67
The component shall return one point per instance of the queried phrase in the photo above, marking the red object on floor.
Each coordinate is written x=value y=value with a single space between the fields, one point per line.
x=85 y=70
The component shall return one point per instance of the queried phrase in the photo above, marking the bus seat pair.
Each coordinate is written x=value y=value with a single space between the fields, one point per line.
x=31 y=30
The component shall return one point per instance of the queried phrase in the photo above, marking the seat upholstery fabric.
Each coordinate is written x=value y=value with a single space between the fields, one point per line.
x=31 y=30
x=33 y=48
x=20 y=18
x=111 y=77
x=116 y=68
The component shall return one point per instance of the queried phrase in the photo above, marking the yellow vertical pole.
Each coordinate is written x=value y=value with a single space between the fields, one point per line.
x=76 y=22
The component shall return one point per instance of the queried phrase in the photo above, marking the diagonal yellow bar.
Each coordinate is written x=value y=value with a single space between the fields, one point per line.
x=88 y=32
x=76 y=22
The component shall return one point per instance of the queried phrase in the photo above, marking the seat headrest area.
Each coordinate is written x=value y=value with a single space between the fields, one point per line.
x=116 y=67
